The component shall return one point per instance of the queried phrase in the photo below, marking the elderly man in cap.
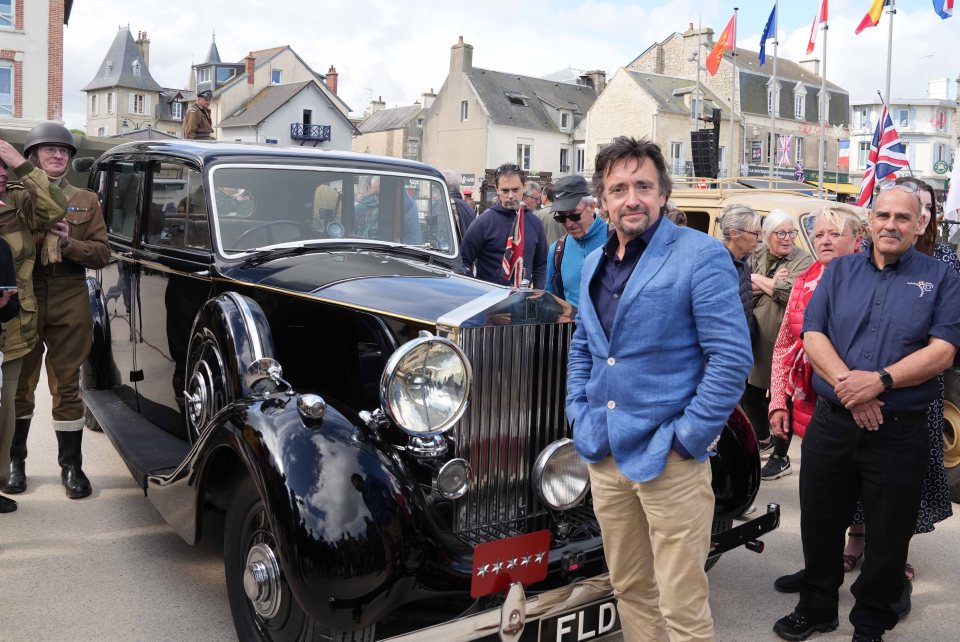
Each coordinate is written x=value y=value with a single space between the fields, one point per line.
x=575 y=209
x=197 y=124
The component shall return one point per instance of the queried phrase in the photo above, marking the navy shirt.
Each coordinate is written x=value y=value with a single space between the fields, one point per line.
x=875 y=317
x=610 y=279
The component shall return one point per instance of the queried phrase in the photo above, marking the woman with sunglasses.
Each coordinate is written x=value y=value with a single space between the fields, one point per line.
x=774 y=267
x=740 y=227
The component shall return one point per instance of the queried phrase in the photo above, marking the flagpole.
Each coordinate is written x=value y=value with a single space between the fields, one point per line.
x=733 y=94
x=823 y=116
x=892 y=11
x=696 y=116
x=775 y=102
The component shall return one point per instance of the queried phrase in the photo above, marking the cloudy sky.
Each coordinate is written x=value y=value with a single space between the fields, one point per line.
x=398 y=50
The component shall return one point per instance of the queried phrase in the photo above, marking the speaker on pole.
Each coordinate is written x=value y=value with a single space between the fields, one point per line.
x=704 y=151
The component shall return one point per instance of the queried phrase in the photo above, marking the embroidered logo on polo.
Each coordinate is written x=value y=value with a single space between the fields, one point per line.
x=925 y=286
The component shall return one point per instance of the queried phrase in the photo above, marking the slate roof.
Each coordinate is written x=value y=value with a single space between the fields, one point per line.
x=669 y=92
x=123 y=66
x=213 y=55
x=387 y=119
x=568 y=75
x=494 y=87
x=270 y=99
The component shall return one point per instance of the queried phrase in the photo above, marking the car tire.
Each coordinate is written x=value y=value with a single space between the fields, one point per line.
x=951 y=432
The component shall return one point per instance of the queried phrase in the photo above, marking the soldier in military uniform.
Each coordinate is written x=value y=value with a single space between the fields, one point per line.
x=29 y=206
x=64 y=325
x=197 y=124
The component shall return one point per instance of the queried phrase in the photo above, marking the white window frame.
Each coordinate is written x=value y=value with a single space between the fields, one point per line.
x=6 y=109
x=8 y=19
x=139 y=104
x=581 y=159
x=799 y=106
x=798 y=150
x=565 y=120
x=863 y=154
x=111 y=102
x=525 y=153
x=94 y=104
x=203 y=75
x=902 y=118
x=464 y=111
x=677 y=165
x=864 y=117
x=176 y=110
x=276 y=76
x=102 y=132
x=564 y=156
x=773 y=99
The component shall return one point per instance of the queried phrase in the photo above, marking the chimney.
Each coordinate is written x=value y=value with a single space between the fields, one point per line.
x=332 y=76
x=427 y=98
x=461 y=57
x=596 y=78
x=143 y=44
x=938 y=88
x=249 y=61
x=812 y=65
x=376 y=105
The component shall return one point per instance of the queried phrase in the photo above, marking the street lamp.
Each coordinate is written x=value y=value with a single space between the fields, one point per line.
x=127 y=124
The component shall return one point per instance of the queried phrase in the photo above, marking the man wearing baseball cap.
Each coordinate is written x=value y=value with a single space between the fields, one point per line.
x=197 y=124
x=575 y=209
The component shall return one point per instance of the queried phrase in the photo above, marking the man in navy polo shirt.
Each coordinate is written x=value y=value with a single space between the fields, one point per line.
x=879 y=328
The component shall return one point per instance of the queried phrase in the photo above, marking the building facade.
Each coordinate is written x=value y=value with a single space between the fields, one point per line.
x=31 y=60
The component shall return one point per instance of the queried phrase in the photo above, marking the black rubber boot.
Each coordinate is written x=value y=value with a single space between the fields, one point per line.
x=70 y=459
x=18 y=455
x=7 y=505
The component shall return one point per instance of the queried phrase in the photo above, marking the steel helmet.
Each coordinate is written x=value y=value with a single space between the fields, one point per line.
x=49 y=134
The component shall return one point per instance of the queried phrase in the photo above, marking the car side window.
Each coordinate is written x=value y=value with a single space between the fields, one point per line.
x=178 y=209
x=121 y=214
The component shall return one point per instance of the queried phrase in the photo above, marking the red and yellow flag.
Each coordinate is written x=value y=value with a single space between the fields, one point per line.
x=727 y=40
x=872 y=19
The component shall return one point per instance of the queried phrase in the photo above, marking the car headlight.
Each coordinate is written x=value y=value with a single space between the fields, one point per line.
x=560 y=477
x=425 y=384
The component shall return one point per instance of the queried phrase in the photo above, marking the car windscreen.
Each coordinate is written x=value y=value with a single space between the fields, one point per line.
x=260 y=207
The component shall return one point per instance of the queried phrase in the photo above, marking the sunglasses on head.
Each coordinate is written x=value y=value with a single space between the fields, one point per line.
x=907 y=186
x=561 y=217
x=508 y=168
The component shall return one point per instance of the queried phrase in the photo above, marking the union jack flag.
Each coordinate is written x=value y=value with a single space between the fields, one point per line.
x=513 y=255
x=887 y=156
x=785 y=150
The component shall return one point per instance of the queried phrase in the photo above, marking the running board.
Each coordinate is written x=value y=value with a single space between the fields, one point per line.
x=145 y=448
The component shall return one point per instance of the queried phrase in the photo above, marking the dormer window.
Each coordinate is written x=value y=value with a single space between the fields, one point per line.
x=799 y=101
x=517 y=99
x=564 y=120
x=773 y=98
x=107 y=68
x=136 y=67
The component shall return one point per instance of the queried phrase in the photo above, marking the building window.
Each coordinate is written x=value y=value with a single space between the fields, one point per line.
x=224 y=74
x=517 y=99
x=564 y=120
x=464 y=111
x=799 y=106
x=203 y=75
x=676 y=159
x=940 y=120
x=139 y=104
x=564 y=160
x=276 y=76
x=94 y=105
x=903 y=118
x=176 y=110
x=581 y=160
x=823 y=108
x=413 y=149
x=798 y=150
x=111 y=102
x=773 y=101
x=863 y=153
x=6 y=14
x=722 y=162
x=939 y=152
x=6 y=88
x=419 y=122
x=863 y=118
x=102 y=131
x=524 y=153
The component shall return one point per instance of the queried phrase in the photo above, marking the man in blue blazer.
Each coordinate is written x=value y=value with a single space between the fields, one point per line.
x=657 y=364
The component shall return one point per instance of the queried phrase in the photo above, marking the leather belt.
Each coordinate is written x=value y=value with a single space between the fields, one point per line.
x=892 y=414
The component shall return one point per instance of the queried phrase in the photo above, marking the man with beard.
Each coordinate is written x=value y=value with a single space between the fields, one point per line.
x=64 y=327
x=879 y=328
x=657 y=363
x=485 y=244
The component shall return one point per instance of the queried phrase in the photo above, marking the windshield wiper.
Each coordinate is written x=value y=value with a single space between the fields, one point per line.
x=262 y=256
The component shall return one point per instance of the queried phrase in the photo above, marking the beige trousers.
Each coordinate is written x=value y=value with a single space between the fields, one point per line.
x=656 y=536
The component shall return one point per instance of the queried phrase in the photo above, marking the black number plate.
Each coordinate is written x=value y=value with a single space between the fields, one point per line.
x=590 y=622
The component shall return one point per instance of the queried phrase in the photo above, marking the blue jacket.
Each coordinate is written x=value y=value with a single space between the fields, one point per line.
x=571 y=265
x=675 y=364
x=486 y=239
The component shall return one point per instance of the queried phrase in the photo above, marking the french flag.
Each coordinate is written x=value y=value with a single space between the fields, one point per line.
x=944 y=8
x=818 y=20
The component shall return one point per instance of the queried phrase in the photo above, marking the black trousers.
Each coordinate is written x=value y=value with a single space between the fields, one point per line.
x=757 y=406
x=842 y=461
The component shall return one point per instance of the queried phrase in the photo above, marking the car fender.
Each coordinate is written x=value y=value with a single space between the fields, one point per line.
x=99 y=370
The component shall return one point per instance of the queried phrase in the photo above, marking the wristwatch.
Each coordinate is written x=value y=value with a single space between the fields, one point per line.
x=885 y=379
x=64 y=242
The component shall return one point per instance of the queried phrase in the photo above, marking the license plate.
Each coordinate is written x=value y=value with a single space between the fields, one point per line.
x=589 y=622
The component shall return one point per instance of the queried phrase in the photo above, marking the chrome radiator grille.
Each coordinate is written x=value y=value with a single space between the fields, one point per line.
x=516 y=409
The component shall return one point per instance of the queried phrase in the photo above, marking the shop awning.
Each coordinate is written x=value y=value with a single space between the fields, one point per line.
x=838 y=188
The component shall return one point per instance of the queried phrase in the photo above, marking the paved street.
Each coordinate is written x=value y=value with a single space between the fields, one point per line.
x=108 y=568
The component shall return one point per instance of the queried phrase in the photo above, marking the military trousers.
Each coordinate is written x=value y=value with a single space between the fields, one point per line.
x=8 y=390
x=65 y=334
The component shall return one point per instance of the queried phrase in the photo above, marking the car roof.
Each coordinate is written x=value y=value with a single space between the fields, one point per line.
x=208 y=152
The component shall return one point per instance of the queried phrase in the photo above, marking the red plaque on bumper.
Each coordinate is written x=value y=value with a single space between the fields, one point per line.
x=498 y=564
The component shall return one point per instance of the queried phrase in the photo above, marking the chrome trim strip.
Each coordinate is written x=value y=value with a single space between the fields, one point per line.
x=248 y=323
x=555 y=601
x=454 y=318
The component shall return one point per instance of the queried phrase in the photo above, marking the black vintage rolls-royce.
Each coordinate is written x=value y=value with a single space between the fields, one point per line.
x=287 y=335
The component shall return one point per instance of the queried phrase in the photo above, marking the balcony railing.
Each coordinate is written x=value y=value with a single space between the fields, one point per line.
x=309 y=133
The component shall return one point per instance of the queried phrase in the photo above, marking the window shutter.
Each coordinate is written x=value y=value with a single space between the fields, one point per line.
x=146 y=105
x=130 y=104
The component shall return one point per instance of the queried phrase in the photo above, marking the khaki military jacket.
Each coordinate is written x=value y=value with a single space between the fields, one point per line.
x=88 y=246
x=197 y=124
x=32 y=205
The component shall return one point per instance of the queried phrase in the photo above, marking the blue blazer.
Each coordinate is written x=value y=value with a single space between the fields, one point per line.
x=676 y=361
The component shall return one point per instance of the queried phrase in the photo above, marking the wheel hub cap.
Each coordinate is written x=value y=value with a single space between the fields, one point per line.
x=261 y=581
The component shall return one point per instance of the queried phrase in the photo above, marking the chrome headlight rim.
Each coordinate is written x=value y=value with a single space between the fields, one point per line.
x=394 y=362
x=445 y=469
x=539 y=468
